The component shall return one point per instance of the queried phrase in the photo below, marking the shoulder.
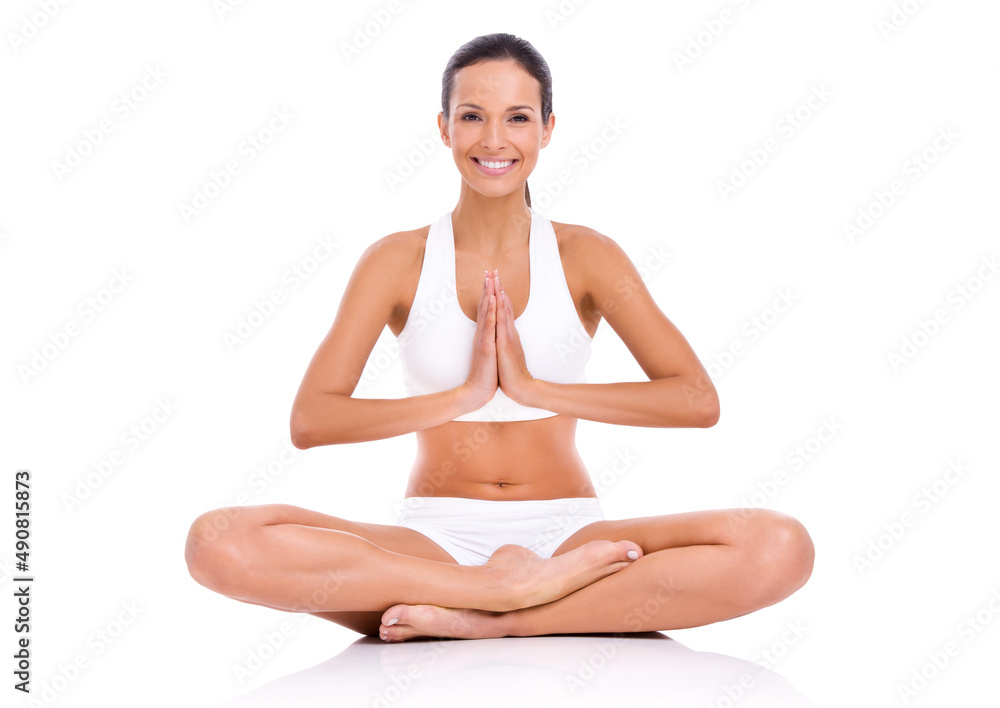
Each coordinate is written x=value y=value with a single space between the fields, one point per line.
x=596 y=266
x=583 y=241
x=396 y=254
x=587 y=250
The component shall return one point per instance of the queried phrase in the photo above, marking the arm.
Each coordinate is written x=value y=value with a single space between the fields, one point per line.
x=324 y=411
x=679 y=392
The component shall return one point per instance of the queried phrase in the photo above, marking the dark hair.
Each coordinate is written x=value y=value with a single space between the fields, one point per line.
x=499 y=46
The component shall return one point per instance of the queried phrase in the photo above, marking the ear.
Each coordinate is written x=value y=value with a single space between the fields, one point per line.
x=547 y=130
x=443 y=128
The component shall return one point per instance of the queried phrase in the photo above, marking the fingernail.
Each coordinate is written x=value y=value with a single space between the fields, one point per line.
x=633 y=555
x=394 y=620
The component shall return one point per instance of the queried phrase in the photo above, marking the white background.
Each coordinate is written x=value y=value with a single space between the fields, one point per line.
x=889 y=91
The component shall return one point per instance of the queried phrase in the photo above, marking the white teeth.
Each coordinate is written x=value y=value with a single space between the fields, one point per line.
x=496 y=165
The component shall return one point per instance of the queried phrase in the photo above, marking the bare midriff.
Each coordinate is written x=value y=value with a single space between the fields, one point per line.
x=527 y=459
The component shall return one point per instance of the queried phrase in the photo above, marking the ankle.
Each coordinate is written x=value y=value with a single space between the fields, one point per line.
x=513 y=624
x=499 y=591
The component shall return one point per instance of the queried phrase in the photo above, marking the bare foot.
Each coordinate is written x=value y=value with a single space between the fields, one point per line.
x=525 y=578
x=521 y=578
x=409 y=621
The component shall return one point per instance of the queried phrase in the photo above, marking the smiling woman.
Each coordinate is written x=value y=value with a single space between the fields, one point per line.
x=503 y=534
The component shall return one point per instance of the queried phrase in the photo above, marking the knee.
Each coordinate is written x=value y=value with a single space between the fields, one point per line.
x=215 y=547
x=783 y=551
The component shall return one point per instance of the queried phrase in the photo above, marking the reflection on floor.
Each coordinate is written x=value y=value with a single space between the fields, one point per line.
x=647 y=669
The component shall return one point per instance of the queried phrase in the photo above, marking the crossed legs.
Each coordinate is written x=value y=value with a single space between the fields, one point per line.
x=694 y=568
x=698 y=568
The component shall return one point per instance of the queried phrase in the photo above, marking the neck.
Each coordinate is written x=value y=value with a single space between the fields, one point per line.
x=490 y=225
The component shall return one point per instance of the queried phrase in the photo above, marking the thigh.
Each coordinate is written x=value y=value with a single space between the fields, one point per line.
x=729 y=527
x=397 y=539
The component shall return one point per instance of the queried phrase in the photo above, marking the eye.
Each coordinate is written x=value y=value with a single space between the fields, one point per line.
x=519 y=115
x=467 y=115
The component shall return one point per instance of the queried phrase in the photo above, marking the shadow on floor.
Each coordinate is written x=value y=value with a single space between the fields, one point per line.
x=644 y=669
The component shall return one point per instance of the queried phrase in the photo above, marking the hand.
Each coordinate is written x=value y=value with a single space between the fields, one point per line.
x=483 y=380
x=515 y=379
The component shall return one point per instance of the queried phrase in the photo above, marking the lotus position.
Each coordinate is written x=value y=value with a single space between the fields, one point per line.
x=501 y=532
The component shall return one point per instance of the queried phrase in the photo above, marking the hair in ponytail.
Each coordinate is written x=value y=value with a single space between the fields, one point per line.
x=500 y=46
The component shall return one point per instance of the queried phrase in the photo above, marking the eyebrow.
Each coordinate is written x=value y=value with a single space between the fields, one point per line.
x=511 y=108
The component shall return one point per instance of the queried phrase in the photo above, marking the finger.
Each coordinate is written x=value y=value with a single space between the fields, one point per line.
x=508 y=308
x=484 y=300
x=501 y=312
x=484 y=296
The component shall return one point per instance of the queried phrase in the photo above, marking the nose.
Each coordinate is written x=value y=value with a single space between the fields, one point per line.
x=494 y=136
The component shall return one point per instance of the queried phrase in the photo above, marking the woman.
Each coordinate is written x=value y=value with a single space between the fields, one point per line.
x=502 y=535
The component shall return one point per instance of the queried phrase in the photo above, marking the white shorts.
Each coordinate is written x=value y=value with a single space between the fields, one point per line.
x=470 y=530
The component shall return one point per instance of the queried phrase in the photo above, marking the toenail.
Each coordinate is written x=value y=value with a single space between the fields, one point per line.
x=633 y=555
x=393 y=621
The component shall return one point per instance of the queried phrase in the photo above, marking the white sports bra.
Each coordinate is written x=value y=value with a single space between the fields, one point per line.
x=436 y=342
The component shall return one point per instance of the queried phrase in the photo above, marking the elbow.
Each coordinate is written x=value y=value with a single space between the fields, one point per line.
x=705 y=409
x=300 y=431
x=702 y=402
x=313 y=422
x=708 y=415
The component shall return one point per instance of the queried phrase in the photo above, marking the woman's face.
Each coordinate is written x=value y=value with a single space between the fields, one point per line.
x=496 y=118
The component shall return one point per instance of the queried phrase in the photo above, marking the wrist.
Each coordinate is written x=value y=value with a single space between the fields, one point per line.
x=528 y=392
x=469 y=399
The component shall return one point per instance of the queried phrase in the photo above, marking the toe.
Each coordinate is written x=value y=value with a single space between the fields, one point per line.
x=395 y=615
x=616 y=551
x=632 y=551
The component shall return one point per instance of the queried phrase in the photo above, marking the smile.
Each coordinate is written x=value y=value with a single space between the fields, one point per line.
x=494 y=167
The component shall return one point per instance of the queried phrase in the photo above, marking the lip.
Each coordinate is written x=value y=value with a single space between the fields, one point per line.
x=492 y=172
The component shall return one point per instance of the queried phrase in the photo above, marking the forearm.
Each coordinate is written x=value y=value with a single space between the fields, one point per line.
x=330 y=419
x=672 y=402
